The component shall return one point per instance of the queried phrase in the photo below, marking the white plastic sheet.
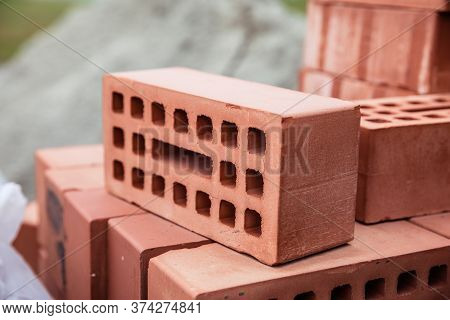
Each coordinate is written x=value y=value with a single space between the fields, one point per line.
x=17 y=281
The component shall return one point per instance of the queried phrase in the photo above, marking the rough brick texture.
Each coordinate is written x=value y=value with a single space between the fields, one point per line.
x=56 y=183
x=343 y=87
x=404 y=157
x=378 y=264
x=132 y=242
x=397 y=47
x=218 y=156
x=438 y=223
x=438 y=5
x=26 y=242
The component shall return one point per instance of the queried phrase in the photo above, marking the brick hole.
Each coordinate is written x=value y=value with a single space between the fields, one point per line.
x=407 y=282
x=137 y=108
x=181 y=121
x=182 y=159
x=366 y=107
x=429 y=108
x=138 y=144
x=118 y=170
x=204 y=127
x=378 y=120
x=437 y=276
x=137 y=178
x=415 y=102
x=256 y=141
x=374 y=289
x=363 y=114
x=433 y=116
x=229 y=134
x=252 y=222
x=158 y=185
x=227 y=213
x=389 y=104
x=117 y=102
x=385 y=112
x=405 y=118
x=254 y=182
x=180 y=194
x=227 y=173
x=118 y=137
x=158 y=113
x=202 y=203
x=343 y=292
x=440 y=100
x=310 y=295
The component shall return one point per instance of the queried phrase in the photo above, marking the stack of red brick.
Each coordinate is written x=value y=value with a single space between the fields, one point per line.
x=361 y=49
x=259 y=170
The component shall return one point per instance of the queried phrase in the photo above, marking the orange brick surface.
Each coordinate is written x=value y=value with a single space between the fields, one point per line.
x=394 y=260
x=56 y=183
x=246 y=182
x=404 y=157
x=438 y=223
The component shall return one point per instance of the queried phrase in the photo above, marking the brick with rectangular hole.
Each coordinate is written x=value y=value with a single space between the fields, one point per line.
x=383 y=45
x=57 y=182
x=238 y=162
x=438 y=223
x=404 y=157
x=132 y=243
x=381 y=263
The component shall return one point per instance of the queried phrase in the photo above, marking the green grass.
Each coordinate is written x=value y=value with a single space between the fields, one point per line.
x=14 y=29
x=296 y=5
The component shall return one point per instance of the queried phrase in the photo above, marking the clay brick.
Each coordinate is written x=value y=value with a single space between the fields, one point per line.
x=404 y=157
x=26 y=242
x=61 y=158
x=342 y=87
x=312 y=184
x=397 y=47
x=438 y=223
x=57 y=182
x=439 y=5
x=132 y=242
x=376 y=265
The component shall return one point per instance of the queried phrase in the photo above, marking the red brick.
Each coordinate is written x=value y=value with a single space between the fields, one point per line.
x=438 y=223
x=308 y=209
x=320 y=83
x=26 y=242
x=440 y=5
x=132 y=242
x=369 y=267
x=317 y=30
x=56 y=183
x=404 y=157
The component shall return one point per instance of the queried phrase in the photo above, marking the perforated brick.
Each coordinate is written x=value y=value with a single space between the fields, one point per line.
x=381 y=263
x=384 y=45
x=404 y=157
x=226 y=153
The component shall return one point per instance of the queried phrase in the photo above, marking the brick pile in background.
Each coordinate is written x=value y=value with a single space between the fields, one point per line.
x=366 y=49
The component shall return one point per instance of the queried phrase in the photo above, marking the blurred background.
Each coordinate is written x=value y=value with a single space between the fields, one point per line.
x=53 y=54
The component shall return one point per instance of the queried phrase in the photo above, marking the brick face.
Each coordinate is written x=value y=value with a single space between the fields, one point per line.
x=239 y=112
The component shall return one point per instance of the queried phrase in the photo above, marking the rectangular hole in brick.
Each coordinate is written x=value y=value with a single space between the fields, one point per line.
x=252 y=222
x=181 y=121
x=227 y=213
x=430 y=108
x=138 y=144
x=158 y=113
x=343 y=292
x=437 y=276
x=310 y=295
x=118 y=170
x=117 y=102
x=183 y=159
x=179 y=194
x=407 y=282
x=227 y=173
x=374 y=289
x=158 y=185
x=254 y=182
x=256 y=141
x=229 y=134
x=137 y=108
x=137 y=178
x=204 y=128
x=118 y=137
x=202 y=203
